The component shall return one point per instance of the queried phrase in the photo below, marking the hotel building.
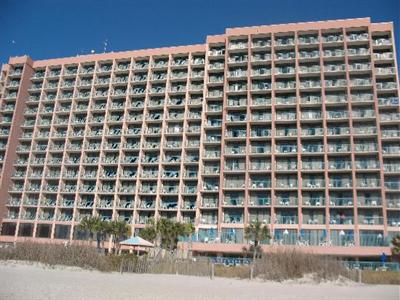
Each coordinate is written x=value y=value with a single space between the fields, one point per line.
x=294 y=125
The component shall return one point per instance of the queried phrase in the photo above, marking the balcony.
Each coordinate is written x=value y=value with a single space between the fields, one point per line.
x=393 y=222
x=392 y=202
x=369 y=182
x=335 y=68
x=353 y=37
x=360 y=67
x=386 y=86
x=391 y=167
x=286 y=116
x=392 y=185
x=312 y=165
x=138 y=90
x=208 y=219
x=261 y=57
x=237 y=149
x=198 y=61
x=190 y=189
x=261 y=86
x=286 y=148
x=87 y=70
x=311 y=115
x=285 y=55
x=390 y=149
x=285 y=70
x=386 y=117
x=313 y=183
x=236 y=45
x=367 y=201
x=260 y=165
x=339 y=165
x=370 y=220
x=341 y=219
x=180 y=61
x=382 y=42
x=336 y=52
x=341 y=201
x=365 y=147
x=140 y=77
x=231 y=117
x=28 y=216
x=286 y=183
x=290 y=165
x=284 y=41
x=312 y=131
x=313 y=201
x=313 y=219
x=12 y=95
x=261 y=42
x=257 y=133
x=357 y=51
x=237 y=59
x=367 y=164
x=335 y=83
x=216 y=65
x=236 y=133
x=309 y=54
x=307 y=84
x=38 y=75
x=340 y=183
x=234 y=102
x=361 y=82
x=282 y=85
x=233 y=200
x=259 y=149
x=286 y=100
x=235 y=166
x=390 y=133
x=308 y=39
x=339 y=130
x=310 y=69
x=233 y=218
x=237 y=87
x=364 y=130
x=210 y=186
x=286 y=219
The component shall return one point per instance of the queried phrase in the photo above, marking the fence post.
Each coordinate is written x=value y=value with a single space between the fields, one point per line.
x=120 y=266
x=359 y=275
x=212 y=271
x=252 y=271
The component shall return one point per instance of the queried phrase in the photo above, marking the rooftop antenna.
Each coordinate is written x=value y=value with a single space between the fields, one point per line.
x=105 y=45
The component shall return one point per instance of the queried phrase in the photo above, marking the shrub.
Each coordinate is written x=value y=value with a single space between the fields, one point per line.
x=55 y=254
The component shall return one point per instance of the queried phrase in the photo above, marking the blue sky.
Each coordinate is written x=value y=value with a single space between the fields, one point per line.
x=57 y=28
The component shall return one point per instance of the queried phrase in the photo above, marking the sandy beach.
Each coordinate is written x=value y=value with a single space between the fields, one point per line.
x=20 y=281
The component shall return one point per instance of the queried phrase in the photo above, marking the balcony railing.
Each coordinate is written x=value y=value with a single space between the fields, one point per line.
x=286 y=219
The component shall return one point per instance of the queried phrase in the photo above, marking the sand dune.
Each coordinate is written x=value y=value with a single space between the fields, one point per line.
x=20 y=281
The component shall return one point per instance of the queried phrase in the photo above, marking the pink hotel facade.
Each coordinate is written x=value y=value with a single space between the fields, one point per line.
x=294 y=125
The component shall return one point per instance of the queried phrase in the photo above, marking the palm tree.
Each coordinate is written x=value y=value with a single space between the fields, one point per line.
x=396 y=247
x=101 y=229
x=118 y=230
x=165 y=233
x=90 y=225
x=149 y=233
x=256 y=232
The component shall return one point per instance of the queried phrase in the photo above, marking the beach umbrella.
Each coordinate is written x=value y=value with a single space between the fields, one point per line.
x=137 y=241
